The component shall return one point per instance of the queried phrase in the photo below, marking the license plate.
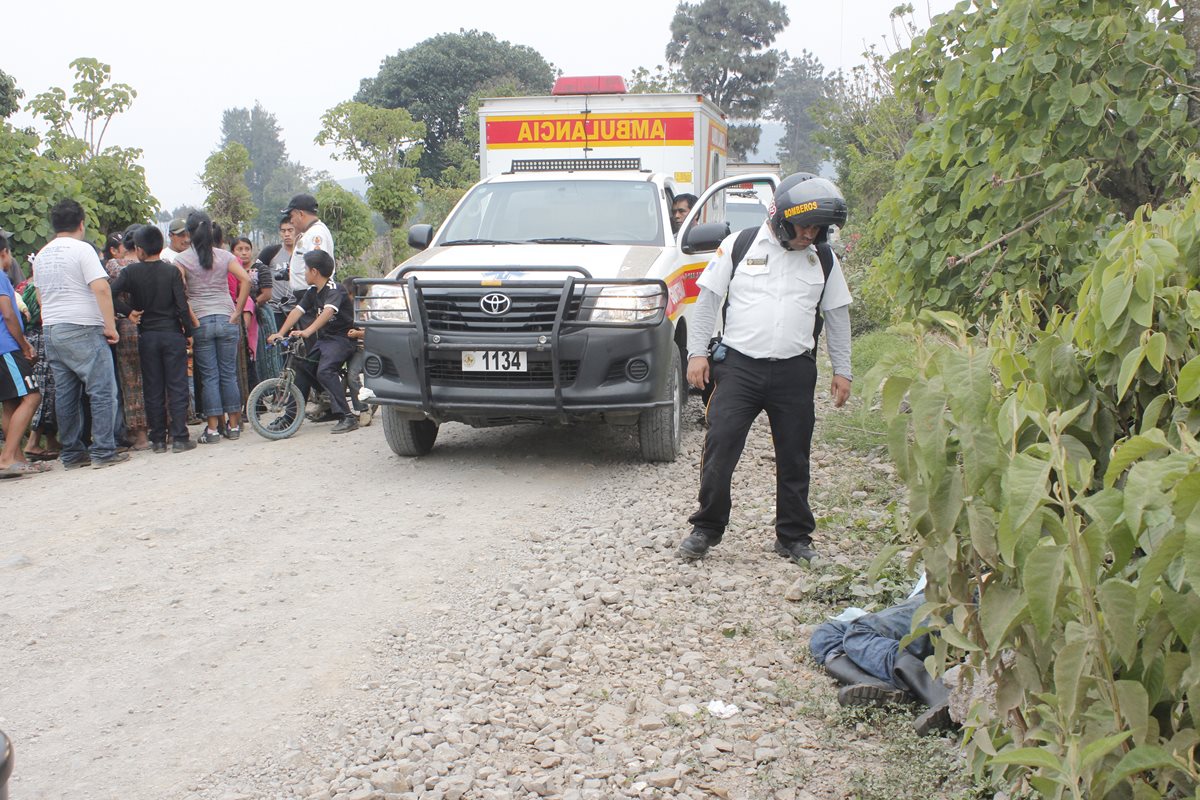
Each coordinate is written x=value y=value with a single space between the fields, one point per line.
x=494 y=361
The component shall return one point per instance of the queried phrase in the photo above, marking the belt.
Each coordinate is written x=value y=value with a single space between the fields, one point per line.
x=805 y=354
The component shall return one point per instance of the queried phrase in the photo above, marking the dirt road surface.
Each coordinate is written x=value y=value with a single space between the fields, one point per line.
x=164 y=618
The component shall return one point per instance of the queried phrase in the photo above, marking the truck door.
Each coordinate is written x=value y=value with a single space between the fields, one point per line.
x=739 y=202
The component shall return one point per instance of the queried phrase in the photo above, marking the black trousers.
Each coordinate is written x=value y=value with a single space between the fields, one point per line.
x=330 y=355
x=744 y=387
x=165 y=383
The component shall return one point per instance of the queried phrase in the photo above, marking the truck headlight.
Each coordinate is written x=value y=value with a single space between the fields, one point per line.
x=635 y=302
x=383 y=303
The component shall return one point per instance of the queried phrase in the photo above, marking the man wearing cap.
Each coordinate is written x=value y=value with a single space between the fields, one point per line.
x=179 y=240
x=312 y=235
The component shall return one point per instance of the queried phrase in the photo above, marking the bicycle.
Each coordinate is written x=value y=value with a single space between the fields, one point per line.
x=275 y=407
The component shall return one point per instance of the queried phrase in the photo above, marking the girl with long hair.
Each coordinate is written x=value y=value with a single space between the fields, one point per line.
x=215 y=345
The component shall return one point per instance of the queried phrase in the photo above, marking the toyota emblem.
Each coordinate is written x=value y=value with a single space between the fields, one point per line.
x=495 y=304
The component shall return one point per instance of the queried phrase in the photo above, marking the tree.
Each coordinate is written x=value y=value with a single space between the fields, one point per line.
x=720 y=47
x=224 y=177
x=10 y=95
x=258 y=131
x=111 y=176
x=385 y=144
x=800 y=87
x=30 y=185
x=434 y=80
x=661 y=80
x=288 y=180
x=1048 y=126
x=95 y=100
x=348 y=218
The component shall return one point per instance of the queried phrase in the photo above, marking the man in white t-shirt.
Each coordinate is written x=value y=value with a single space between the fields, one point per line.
x=311 y=233
x=178 y=240
x=78 y=325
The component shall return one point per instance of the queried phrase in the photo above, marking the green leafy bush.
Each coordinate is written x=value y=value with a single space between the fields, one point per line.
x=1054 y=481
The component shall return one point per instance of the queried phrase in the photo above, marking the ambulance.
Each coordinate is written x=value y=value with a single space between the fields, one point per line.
x=557 y=291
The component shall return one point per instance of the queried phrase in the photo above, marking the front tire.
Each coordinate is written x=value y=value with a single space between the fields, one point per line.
x=275 y=408
x=660 y=430
x=408 y=437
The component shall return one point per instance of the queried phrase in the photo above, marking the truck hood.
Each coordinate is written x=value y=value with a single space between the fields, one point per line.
x=506 y=261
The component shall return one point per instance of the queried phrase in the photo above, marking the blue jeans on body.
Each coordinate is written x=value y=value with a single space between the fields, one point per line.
x=214 y=349
x=81 y=361
x=873 y=641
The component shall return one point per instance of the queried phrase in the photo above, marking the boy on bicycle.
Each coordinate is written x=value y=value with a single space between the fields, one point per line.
x=333 y=347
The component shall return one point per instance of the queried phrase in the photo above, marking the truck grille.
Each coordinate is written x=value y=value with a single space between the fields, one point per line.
x=531 y=311
x=539 y=376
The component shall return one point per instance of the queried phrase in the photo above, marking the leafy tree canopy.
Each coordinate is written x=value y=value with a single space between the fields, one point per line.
x=434 y=80
x=385 y=144
x=1048 y=125
x=258 y=131
x=348 y=219
x=801 y=86
x=112 y=178
x=10 y=95
x=720 y=47
x=78 y=122
x=224 y=177
x=30 y=185
x=660 y=80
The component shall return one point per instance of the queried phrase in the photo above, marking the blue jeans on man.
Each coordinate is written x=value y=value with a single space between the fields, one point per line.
x=872 y=641
x=81 y=362
x=215 y=353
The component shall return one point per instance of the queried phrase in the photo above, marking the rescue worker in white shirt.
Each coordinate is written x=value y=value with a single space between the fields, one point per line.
x=765 y=360
x=311 y=234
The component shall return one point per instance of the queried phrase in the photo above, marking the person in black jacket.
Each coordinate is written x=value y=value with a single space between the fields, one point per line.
x=158 y=304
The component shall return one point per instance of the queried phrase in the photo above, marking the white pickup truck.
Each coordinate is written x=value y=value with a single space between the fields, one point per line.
x=556 y=290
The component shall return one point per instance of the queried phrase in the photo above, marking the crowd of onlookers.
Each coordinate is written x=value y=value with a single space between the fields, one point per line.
x=118 y=350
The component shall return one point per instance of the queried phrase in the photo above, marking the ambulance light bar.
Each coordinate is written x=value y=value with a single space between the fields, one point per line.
x=589 y=84
x=575 y=164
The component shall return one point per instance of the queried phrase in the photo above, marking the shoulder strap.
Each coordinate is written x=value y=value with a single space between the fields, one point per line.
x=825 y=253
x=741 y=246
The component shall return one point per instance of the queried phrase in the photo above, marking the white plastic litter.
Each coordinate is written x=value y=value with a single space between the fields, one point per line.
x=722 y=710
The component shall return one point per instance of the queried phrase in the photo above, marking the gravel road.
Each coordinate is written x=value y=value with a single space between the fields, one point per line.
x=317 y=618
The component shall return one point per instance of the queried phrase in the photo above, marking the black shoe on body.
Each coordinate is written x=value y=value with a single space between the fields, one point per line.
x=696 y=544
x=799 y=553
x=327 y=416
x=871 y=694
x=158 y=447
x=346 y=424
x=182 y=445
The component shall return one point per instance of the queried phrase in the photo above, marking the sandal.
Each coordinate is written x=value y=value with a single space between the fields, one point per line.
x=26 y=468
x=41 y=455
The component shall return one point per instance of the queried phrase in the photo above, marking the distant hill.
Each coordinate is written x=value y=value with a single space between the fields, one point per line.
x=356 y=184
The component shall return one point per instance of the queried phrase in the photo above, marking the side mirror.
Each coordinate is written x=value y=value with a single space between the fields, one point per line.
x=419 y=236
x=705 y=237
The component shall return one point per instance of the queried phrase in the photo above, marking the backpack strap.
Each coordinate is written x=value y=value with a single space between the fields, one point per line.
x=825 y=253
x=741 y=246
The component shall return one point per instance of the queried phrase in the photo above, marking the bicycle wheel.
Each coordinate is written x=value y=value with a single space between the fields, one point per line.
x=275 y=408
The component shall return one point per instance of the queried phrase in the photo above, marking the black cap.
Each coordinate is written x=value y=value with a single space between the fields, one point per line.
x=301 y=202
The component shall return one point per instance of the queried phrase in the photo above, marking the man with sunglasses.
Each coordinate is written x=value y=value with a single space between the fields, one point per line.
x=786 y=285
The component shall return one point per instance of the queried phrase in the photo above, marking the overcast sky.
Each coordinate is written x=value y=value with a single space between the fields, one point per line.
x=189 y=62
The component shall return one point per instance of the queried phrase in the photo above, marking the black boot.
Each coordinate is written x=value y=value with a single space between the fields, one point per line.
x=860 y=688
x=909 y=672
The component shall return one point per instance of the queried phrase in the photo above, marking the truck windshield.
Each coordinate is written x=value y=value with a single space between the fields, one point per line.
x=567 y=211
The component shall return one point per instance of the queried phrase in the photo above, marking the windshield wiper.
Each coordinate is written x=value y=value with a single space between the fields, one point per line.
x=566 y=240
x=478 y=241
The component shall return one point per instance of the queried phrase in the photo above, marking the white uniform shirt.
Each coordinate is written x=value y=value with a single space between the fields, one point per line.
x=317 y=237
x=773 y=296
